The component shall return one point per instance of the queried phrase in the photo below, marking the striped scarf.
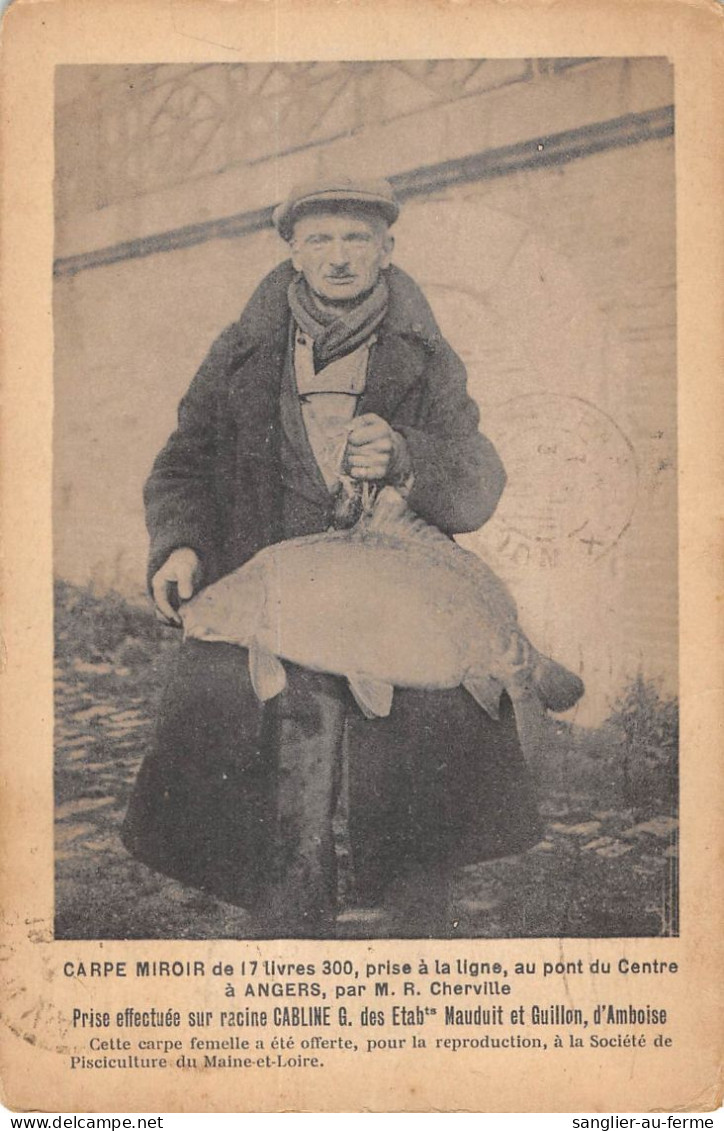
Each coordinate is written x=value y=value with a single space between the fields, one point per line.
x=336 y=333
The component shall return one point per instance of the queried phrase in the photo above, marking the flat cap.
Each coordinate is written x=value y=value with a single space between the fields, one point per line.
x=376 y=196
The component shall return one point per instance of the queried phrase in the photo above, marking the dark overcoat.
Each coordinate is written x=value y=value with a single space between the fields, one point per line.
x=437 y=778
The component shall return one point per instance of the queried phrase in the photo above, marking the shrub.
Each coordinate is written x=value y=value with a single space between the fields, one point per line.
x=648 y=724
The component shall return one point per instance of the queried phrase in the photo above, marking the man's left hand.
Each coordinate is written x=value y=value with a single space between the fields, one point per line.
x=375 y=450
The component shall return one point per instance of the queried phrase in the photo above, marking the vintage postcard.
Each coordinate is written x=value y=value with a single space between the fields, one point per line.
x=361 y=718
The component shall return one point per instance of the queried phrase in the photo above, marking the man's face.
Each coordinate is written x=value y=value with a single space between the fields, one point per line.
x=340 y=254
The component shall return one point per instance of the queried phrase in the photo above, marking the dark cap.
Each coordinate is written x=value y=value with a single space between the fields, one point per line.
x=374 y=196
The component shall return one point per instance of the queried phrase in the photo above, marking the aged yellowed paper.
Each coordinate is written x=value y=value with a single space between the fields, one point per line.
x=362 y=883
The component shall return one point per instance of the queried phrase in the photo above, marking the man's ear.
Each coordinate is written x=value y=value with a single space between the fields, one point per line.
x=293 y=250
x=388 y=246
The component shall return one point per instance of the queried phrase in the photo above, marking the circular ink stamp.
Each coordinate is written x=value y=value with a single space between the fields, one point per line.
x=27 y=971
x=572 y=479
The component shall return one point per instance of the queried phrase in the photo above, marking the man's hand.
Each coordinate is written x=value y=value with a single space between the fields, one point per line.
x=376 y=451
x=179 y=571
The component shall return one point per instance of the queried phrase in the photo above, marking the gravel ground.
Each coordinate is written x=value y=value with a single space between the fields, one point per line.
x=607 y=865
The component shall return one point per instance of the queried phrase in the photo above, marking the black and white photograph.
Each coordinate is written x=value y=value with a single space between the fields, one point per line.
x=365 y=500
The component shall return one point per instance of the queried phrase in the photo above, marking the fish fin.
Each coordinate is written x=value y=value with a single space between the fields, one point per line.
x=558 y=688
x=392 y=515
x=486 y=691
x=374 y=696
x=390 y=508
x=267 y=673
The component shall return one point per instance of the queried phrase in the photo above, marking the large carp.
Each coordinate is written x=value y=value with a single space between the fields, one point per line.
x=390 y=602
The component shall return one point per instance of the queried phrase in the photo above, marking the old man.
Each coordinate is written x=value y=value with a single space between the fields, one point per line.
x=336 y=371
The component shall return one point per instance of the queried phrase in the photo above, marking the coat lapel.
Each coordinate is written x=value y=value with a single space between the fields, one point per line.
x=254 y=385
x=396 y=364
x=254 y=396
x=254 y=406
x=310 y=482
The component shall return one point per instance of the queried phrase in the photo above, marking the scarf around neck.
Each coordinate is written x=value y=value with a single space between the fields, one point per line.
x=336 y=333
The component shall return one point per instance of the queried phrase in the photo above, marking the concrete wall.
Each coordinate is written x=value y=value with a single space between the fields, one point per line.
x=556 y=282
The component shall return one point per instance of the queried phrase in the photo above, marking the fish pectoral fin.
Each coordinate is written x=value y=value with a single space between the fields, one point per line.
x=267 y=673
x=374 y=696
x=486 y=691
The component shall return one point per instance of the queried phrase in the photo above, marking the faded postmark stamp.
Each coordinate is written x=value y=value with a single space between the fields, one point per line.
x=28 y=977
x=572 y=479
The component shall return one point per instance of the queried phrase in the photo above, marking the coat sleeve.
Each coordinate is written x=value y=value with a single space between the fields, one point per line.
x=458 y=475
x=179 y=495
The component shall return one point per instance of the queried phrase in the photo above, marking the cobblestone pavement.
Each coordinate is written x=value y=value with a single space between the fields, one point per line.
x=602 y=869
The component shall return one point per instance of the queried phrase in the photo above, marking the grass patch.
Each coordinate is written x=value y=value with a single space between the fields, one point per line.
x=104 y=628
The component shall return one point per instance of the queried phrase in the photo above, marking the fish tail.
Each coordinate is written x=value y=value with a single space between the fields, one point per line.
x=558 y=688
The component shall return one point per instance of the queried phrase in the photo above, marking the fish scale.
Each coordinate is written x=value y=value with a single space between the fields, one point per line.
x=392 y=602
